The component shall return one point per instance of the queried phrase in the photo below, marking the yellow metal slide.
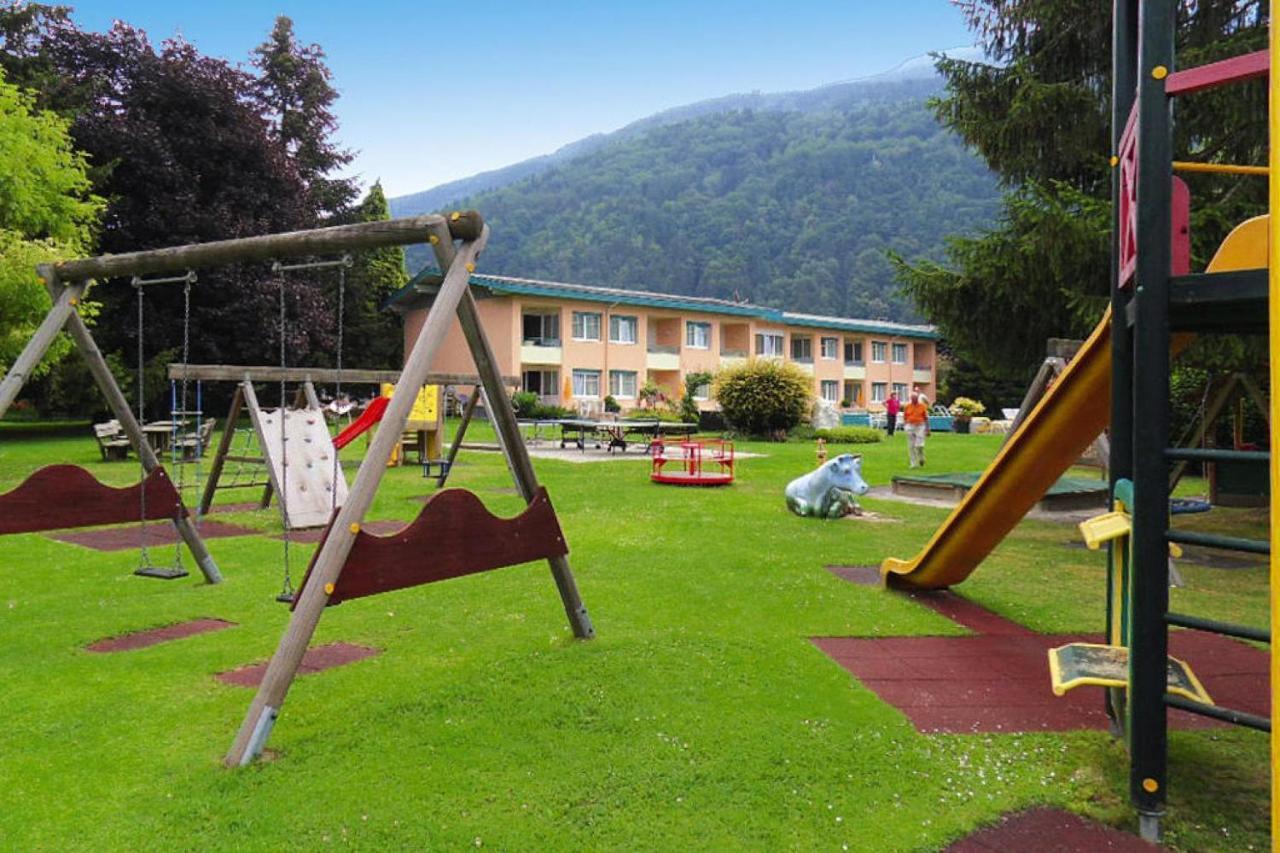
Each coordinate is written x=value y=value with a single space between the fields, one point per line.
x=1061 y=426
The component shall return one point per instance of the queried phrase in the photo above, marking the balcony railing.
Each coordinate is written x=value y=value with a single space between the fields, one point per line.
x=802 y=359
x=733 y=353
x=666 y=349
x=541 y=342
x=924 y=367
x=855 y=362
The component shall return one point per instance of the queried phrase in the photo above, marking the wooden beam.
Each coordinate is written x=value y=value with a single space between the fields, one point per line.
x=341 y=535
x=324 y=375
x=467 y=412
x=220 y=455
x=65 y=300
x=315 y=241
x=508 y=432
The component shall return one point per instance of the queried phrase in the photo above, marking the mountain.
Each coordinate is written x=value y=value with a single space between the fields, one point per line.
x=786 y=199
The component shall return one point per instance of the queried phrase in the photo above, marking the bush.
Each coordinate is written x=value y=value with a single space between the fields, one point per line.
x=849 y=435
x=964 y=407
x=611 y=404
x=524 y=402
x=764 y=396
x=666 y=416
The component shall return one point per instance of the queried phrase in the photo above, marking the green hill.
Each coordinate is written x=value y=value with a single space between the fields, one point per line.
x=792 y=205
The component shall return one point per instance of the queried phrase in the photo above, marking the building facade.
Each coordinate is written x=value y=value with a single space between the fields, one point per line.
x=570 y=343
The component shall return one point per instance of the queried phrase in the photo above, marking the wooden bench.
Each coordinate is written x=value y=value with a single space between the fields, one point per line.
x=112 y=443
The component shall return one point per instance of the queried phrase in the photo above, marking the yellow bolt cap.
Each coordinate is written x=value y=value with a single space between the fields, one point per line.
x=1150 y=785
x=471 y=267
x=1115 y=161
x=328 y=589
x=355 y=528
x=433 y=239
x=1159 y=72
x=455 y=216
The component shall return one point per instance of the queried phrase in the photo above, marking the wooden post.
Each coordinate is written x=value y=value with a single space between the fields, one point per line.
x=309 y=391
x=264 y=709
x=467 y=412
x=129 y=425
x=65 y=300
x=504 y=422
x=1049 y=370
x=1194 y=436
x=220 y=456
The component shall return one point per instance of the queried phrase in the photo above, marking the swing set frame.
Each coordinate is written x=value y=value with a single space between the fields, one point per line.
x=67 y=283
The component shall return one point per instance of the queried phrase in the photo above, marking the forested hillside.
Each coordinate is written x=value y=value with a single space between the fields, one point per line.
x=785 y=208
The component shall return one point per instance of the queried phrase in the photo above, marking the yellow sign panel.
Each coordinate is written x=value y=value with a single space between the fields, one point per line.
x=425 y=413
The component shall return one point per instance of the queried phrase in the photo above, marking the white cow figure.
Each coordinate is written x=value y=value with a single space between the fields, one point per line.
x=831 y=491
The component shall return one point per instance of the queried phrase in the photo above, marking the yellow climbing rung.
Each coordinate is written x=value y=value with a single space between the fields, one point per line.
x=1092 y=664
x=1104 y=528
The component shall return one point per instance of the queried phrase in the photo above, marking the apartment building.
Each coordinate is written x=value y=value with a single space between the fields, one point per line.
x=573 y=342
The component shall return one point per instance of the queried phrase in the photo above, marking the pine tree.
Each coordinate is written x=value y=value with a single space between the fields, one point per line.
x=297 y=97
x=372 y=334
x=1039 y=112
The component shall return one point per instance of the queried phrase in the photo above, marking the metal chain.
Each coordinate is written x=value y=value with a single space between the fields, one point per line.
x=287 y=588
x=337 y=392
x=144 y=559
x=178 y=451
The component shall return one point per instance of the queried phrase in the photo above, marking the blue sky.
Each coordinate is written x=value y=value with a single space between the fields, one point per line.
x=433 y=91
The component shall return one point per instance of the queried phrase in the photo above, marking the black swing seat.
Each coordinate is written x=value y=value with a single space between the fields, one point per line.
x=64 y=496
x=164 y=573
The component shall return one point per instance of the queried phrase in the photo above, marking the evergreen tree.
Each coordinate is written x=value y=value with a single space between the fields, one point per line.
x=294 y=89
x=373 y=335
x=1039 y=113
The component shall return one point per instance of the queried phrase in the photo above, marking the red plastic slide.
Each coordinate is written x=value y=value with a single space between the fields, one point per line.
x=370 y=416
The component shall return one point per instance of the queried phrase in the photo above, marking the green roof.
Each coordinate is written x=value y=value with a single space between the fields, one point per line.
x=424 y=284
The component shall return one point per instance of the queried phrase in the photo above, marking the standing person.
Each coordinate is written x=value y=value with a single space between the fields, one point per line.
x=915 y=417
x=891 y=409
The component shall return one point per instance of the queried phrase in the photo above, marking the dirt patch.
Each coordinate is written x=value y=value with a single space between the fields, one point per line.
x=155 y=636
x=315 y=660
x=155 y=534
x=1046 y=828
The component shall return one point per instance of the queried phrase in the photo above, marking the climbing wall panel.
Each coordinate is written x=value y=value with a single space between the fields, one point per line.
x=306 y=484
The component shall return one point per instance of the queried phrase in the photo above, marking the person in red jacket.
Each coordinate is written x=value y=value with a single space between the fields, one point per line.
x=891 y=408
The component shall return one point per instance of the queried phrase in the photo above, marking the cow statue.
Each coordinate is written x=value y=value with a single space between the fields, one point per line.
x=830 y=491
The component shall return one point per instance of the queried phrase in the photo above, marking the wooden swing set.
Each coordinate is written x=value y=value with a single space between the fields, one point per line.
x=454 y=534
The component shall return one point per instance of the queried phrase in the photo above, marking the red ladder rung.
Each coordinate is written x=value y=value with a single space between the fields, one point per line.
x=1237 y=69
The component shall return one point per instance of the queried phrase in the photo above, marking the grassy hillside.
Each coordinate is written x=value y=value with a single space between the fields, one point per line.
x=791 y=207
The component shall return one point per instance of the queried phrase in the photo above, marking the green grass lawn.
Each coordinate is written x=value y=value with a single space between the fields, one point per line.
x=700 y=717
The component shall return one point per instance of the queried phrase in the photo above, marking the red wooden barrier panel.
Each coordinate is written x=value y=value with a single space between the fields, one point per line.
x=454 y=535
x=61 y=496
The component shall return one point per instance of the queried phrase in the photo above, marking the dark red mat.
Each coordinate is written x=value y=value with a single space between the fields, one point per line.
x=158 y=533
x=861 y=575
x=1046 y=830
x=315 y=534
x=155 y=636
x=998 y=680
x=315 y=660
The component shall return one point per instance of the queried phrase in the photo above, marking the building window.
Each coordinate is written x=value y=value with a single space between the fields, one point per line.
x=622 y=329
x=801 y=348
x=697 y=335
x=544 y=383
x=899 y=353
x=622 y=383
x=830 y=390
x=769 y=345
x=586 y=326
x=879 y=352
x=853 y=393
x=878 y=392
x=541 y=330
x=830 y=348
x=586 y=383
x=901 y=390
x=853 y=352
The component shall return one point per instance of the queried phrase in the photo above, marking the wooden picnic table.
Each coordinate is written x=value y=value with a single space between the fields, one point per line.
x=618 y=434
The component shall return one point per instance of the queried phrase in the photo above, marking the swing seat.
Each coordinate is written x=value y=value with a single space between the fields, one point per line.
x=64 y=496
x=453 y=536
x=164 y=573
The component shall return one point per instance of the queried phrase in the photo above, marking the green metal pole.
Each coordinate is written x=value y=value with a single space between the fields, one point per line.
x=1149 y=584
x=1124 y=59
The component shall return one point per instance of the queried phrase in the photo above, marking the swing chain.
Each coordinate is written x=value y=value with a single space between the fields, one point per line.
x=286 y=591
x=144 y=558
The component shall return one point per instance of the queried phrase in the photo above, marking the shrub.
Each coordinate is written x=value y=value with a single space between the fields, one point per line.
x=764 y=396
x=667 y=416
x=849 y=435
x=524 y=402
x=964 y=407
x=689 y=405
x=611 y=404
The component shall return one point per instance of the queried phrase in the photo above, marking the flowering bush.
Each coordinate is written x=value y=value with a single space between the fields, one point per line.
x=963 y=407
